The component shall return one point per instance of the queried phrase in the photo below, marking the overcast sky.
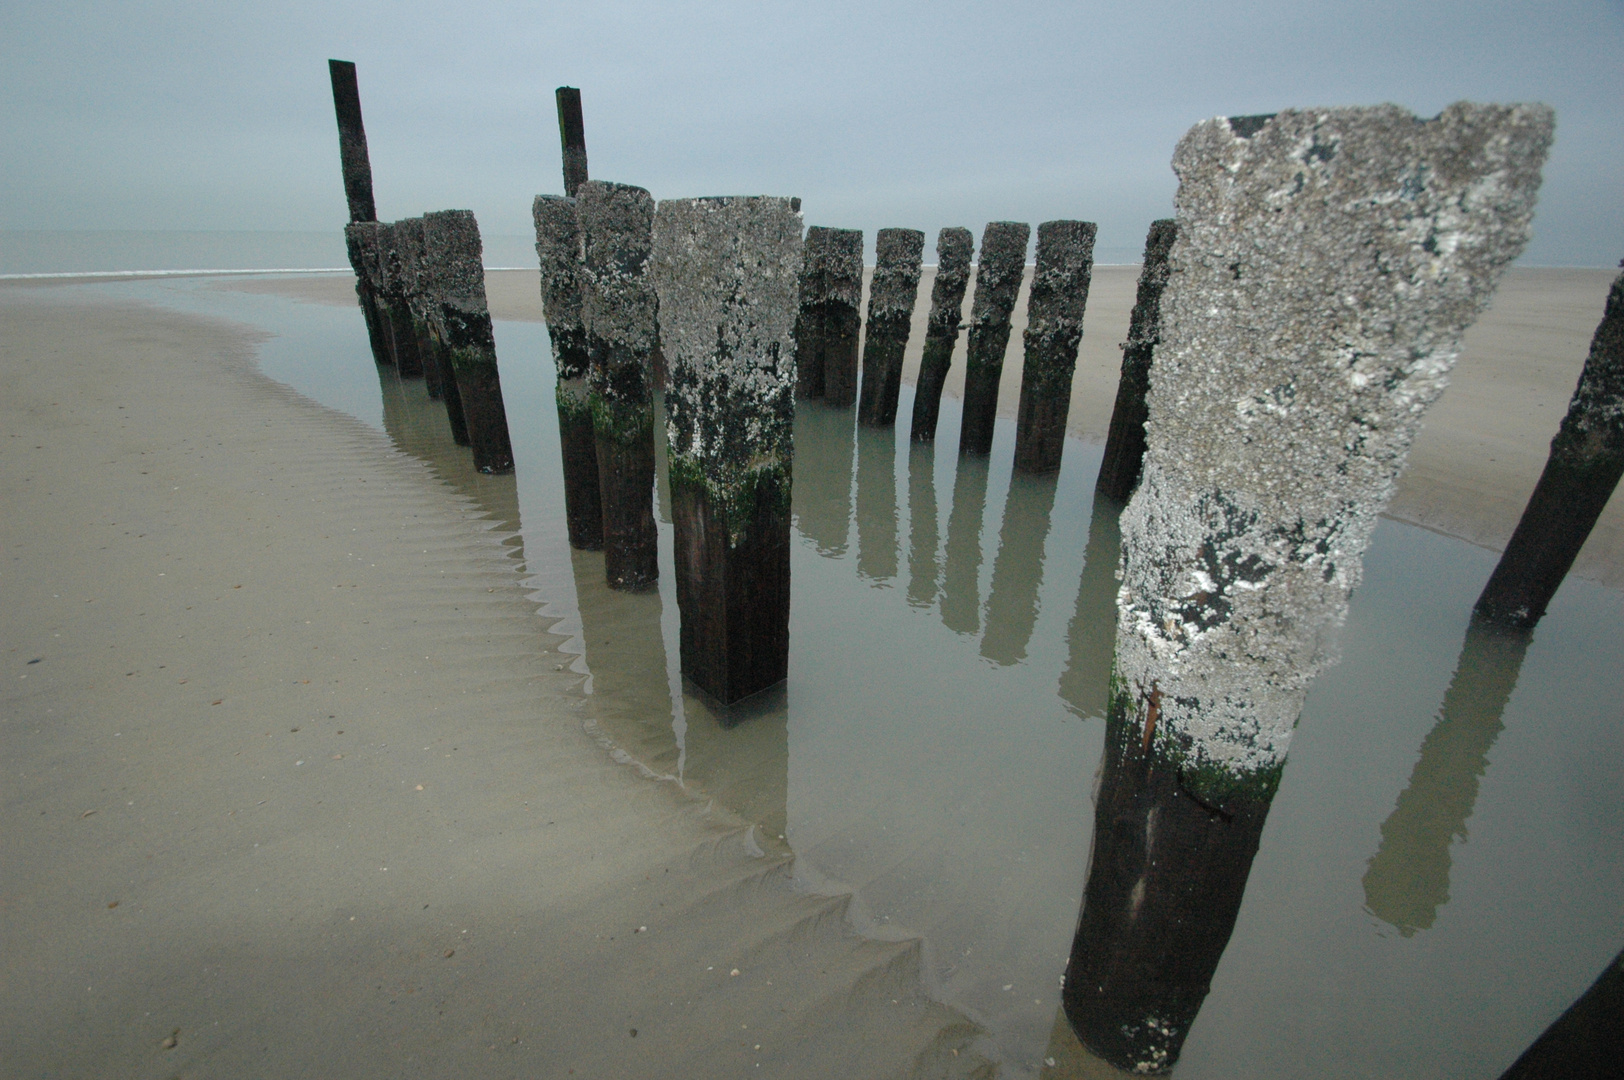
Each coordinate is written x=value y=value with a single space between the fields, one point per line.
x=209 y=115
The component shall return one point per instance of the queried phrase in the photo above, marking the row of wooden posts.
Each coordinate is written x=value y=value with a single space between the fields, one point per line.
x=1271 y=386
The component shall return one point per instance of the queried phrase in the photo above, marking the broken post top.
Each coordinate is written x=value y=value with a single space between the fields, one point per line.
x=1065 y=265
x=998 y=274
x=1144 y=325
x=618 y=304
x=954 y=246
x=896 y=273
x=451 y=242
x=727 y=272
x=1326 y=265
x=571 y=137
x=352 y=141
x=832 y=266
x=558 y=247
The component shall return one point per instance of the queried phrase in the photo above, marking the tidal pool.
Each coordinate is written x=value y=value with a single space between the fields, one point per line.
x=1441 y=874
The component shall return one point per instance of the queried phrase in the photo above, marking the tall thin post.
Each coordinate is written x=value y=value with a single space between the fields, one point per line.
x=953 y=248
x=572 y=137
x=998 y=283
x=1280 y=415
x=558 y=247
x=618 y=307
x=1586 y=461
x=352 y=141
x=726 y=270
x=830 y=321
x=1125 y=444
x=1054 y=327
x=451 y=238
x=891 y=298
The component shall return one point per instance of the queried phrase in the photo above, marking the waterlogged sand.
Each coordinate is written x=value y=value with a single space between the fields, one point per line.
x=298 y=782
x=1471 y=469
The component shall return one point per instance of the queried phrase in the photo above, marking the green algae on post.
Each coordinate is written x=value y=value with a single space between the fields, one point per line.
x=451 y=238
x=1054 y=327
x=1125 y=442
x=829 y=322
x=558 y=248
x=727 y=271
x=1586 y=461
x=998 y=283
x=890 y=315
x=953 y=249
x=618 y=307
x=1326 y=265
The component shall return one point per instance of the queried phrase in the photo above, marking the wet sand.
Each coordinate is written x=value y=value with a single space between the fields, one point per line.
x=299 y=782
x=1471 y=469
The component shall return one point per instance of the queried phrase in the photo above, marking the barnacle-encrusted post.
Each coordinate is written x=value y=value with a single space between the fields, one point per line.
x=1054 y=326
x=1587 y=458
x=558 y=247
x=953 y=249
x=451 y=240
x=392 y=297
x=1125 y=444
x=1326 y=265
x=413 y=283
x=361 y=242
x=432 y=279
x=890 y=314
x=998 y=283
x=618 y=309
x=727 y=271
x=829 y=323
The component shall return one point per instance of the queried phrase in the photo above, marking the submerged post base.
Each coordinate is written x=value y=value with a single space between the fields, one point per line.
x=732 y=564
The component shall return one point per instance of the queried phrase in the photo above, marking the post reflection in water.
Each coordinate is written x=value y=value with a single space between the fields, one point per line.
x=924 y=530
x=418 y=425
x=1408 y=877
x=1017 y=571
x=877 y=503
x=961 y=572
x=821 y=495
x=1091 y=639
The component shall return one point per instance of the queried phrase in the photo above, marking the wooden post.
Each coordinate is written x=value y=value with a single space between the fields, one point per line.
x=361 y=242
x=1407 y=880
x=727 y=272
x=1125 y=444
x=352 y=141
x=998 y=283
x=572 y=137
x=1587 y=458
x=413 y=267
x=829 y=323
x=891 y=298
x=1054 y=310
x=391 y=301
x=558 y=247
x=431 y=278
x=618 y=308
x=1326 y=266
x=953 y=249
x=451 y=238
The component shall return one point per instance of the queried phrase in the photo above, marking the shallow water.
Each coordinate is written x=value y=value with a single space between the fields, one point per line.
x=1429 y=894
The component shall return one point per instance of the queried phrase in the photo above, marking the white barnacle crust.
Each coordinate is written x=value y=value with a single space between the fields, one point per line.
x=1324 y=271
x=727 y=273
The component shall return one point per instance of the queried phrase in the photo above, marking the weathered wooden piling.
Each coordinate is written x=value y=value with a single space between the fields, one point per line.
x=998 y=283
x=414 y=281
x=558 y=247
x=1054 y=327
x=357 y=173
x=890 y=315
x=433 y=279
x=618 y=310
x=361 y=242
x=392 y=264
x=1326 y=265
x=829 y=323
x=953 y=249
x=1407 y=880
x=571 y=137
x=727 y=271
x=1125 y=443
x=1586 y=460
x=451 y=239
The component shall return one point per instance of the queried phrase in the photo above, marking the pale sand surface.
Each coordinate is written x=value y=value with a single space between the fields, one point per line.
x=300 y=772
x=1471 y=469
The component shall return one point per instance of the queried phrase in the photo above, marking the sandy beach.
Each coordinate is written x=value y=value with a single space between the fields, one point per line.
x=1471 y=469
